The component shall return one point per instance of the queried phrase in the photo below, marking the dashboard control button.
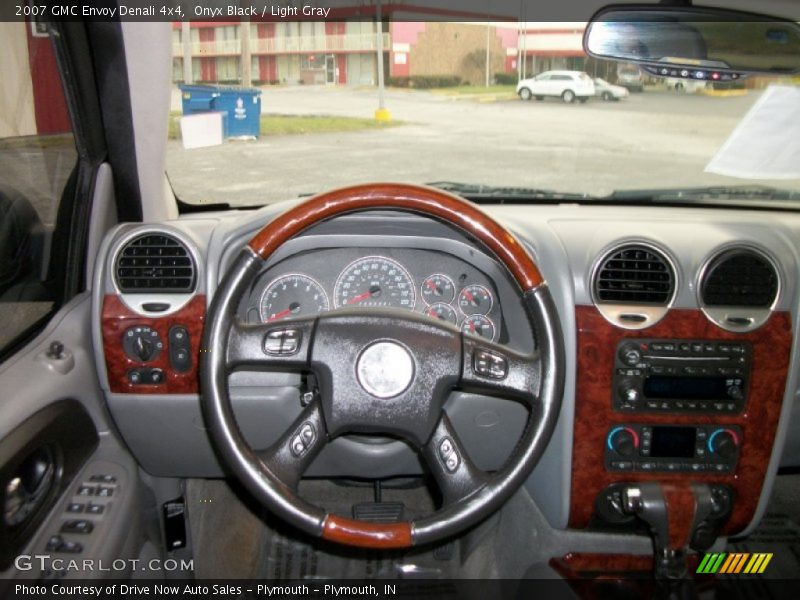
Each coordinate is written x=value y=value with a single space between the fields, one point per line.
x=180 y=357
x=142 y=343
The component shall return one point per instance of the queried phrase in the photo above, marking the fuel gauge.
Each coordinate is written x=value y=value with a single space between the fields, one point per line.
x=438 y=288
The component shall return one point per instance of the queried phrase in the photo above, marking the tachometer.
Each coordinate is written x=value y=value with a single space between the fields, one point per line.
x=374 y=281
x=291 y=296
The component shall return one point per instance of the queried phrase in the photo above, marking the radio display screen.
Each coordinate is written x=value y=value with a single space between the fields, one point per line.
x=685 y=388
x=673 y=442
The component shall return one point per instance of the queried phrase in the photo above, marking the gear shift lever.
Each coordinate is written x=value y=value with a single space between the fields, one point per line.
x=672 y=511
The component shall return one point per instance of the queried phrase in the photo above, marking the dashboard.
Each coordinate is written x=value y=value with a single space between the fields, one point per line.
x=680 y=329
x=436 y=284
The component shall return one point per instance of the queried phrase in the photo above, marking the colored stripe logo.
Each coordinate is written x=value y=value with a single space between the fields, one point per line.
x=733 y=563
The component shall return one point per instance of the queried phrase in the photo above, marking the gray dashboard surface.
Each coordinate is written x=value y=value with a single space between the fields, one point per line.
x=166 y=432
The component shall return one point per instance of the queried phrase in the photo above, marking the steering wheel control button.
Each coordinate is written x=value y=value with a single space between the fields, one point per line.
x=303 y=439
x=445 y=448
x=307 y=433
x=282 y=342
x=448 y=454
x=385 y=369
x=489 y=364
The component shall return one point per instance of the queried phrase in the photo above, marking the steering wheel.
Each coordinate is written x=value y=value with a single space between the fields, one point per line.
x=382 y=372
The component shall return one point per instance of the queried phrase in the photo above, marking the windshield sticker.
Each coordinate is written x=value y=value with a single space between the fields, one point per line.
x=766 y=143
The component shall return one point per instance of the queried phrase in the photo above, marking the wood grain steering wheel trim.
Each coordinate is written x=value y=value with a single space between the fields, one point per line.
x=419 y=199
x=367 y=535
x=423 y=200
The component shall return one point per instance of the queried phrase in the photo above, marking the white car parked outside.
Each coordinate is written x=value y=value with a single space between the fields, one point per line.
x=608 y=91
x=568 y=85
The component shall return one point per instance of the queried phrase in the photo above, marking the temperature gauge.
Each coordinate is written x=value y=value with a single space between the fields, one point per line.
x=442 y=311
x=479 y=325
x=438 y=288
x=475 y=300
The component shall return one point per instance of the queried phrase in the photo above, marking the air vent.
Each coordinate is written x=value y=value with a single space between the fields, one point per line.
x=740 y=278
x=155 y=262
x=634 y=274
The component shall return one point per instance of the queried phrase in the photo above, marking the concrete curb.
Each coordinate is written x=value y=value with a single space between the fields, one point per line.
x=722 y=93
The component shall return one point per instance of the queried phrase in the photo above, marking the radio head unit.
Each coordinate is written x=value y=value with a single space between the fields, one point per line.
x=675 y=376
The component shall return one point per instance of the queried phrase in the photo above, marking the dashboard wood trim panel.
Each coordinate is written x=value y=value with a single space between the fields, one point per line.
x=597 y=342
x=117 y=318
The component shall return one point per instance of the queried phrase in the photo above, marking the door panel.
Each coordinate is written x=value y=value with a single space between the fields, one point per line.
x=52 y=415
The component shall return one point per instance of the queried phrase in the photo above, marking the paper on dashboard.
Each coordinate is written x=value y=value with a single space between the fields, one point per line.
x=766 y=143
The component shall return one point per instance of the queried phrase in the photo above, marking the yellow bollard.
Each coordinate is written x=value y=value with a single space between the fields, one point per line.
x=383 y=114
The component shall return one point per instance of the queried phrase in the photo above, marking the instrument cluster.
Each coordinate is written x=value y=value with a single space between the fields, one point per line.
x=446 y=289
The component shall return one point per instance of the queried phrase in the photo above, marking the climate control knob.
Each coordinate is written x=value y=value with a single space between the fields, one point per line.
x=724 y=443
x=630 y=354
x=623 y=440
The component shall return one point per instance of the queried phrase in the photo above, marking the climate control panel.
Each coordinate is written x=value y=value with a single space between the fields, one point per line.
x=673 y=448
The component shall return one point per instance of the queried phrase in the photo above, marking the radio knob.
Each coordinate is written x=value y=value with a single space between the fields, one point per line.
x=629 y=394
x=735 y=392
x=630 y=354
x=724 y=443
x=623 y=441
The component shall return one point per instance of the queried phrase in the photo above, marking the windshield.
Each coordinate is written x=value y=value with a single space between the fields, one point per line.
x=270 y=111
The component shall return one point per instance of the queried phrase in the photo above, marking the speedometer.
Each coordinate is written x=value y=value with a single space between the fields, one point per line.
x=291 y=296
x=374 y=281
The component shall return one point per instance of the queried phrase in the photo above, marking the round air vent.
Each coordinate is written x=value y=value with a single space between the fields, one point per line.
x=155 y=263
x=633 y=285
x=738 y=288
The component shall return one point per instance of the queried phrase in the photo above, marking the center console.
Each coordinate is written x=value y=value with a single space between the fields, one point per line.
x=689 y=404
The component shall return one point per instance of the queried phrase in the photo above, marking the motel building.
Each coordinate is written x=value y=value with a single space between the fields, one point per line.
x=345 y=52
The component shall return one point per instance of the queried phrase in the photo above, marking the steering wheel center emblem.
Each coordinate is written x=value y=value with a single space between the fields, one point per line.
x=385 y=369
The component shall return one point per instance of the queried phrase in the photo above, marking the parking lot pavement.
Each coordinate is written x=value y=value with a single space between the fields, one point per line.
x=656 y=139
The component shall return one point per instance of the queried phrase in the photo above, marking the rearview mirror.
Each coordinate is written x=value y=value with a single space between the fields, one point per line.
x=694 y=37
